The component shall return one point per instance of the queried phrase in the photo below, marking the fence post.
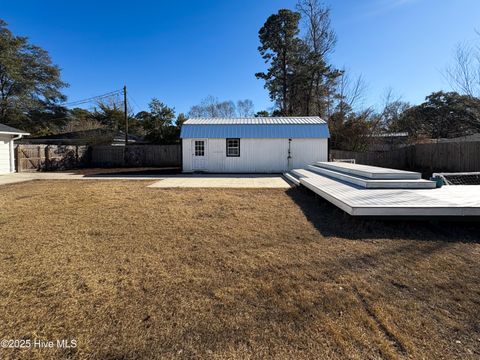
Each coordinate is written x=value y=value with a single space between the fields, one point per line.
x=47 y=158
x=18 y=162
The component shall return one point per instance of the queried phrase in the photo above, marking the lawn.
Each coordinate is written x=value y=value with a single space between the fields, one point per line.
x=135 y=272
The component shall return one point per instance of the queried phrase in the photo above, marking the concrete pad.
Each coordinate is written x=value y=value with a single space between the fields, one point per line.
x=29 y=176
x=223 y=181
x=166 y=181
x=12 y=179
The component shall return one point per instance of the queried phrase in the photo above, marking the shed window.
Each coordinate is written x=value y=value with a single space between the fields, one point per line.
x=233 y=147
x=199 y=148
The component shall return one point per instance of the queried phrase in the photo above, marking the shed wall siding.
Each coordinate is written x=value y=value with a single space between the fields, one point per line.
x=258 y=155
x=5 y=157
x=187 y=155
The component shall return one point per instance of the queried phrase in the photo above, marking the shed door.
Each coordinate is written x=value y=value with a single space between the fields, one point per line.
x=199 y=154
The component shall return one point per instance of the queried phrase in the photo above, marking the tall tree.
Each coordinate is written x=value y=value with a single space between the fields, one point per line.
x=158 y=123
x=319 y=78
x=299 y=79
x=319 y=35
x=29 y=82
x=279 y=48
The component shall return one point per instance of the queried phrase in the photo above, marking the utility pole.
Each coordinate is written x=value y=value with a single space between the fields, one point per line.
x=125 y=113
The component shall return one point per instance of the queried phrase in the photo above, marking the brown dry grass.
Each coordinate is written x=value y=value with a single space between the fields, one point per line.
x=135 y=272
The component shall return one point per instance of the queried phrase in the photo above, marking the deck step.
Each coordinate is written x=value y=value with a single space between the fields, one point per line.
x=301 y=173
x=292 y=178
x=370 y=172
x=369 y=183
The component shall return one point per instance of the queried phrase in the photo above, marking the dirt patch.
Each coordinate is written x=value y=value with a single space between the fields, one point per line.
x=133 y=272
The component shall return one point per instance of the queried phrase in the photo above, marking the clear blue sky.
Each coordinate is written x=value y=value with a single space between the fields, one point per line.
x=182 y=51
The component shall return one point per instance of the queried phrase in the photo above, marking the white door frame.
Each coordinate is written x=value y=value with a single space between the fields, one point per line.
x=199 y=162
x=12 y=155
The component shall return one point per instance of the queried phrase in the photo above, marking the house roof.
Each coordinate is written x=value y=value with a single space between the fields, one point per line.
x=5 y=129
x=390 y=134
x=84 y=136
x=261 y=127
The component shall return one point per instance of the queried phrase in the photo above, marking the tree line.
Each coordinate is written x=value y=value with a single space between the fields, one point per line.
x=296 y=46
x=301 y=80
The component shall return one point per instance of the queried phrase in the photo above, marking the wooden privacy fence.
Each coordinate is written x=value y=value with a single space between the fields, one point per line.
x=136 y=155
x=51 y=157
x=439 y=157
x=64 y=157
x=453 y=157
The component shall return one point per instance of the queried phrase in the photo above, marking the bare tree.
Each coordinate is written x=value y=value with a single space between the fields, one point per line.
x=245 y=108
x=392 y=109
x=206 y=108
x=212 y=107
x=351 y=124
x=320 y=36
x=351 y=92
x=320 y=39
x=82 y=124
x=226 y=109
x=463 y=74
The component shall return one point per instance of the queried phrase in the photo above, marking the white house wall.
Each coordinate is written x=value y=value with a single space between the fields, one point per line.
x=5 y=156
x=258 y=155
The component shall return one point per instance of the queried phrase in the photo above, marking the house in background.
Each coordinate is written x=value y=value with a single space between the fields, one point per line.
x=85 y=137
x=386 y=141
x=8 y=135
x=253 y=145
x=467 y=138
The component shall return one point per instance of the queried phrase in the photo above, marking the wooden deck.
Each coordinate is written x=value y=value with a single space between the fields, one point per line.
x=371 y=172
x=449 y=201
x=374 y=183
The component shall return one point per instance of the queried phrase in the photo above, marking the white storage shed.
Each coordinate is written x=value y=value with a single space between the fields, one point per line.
x=8 y=135
x=253 y=145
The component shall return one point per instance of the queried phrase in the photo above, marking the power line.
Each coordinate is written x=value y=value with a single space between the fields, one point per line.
x=125 y=113
x=93 y=98
x=133 y=104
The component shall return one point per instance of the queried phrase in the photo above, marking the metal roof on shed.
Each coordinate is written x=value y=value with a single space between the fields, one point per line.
x=256 y=121
x=263 y=127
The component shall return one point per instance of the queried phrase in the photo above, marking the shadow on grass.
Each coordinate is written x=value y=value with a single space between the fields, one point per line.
x=277 y=303
x=331 y=221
